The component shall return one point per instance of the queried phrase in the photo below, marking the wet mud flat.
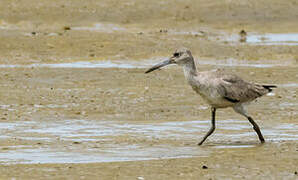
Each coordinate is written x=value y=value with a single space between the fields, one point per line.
x=75 y=102
x=236 y=163
x=66 y=31
x=111 y=121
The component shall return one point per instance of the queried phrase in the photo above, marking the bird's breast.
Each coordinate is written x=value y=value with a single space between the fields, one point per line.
x=211 y=96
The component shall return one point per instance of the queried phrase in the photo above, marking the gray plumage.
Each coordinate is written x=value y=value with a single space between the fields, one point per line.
x=218 y=88
x=221 y=89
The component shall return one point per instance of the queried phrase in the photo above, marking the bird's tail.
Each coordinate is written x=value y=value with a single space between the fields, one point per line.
x=269 y=87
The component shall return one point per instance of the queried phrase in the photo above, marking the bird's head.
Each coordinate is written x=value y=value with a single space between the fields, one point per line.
x=181 y=57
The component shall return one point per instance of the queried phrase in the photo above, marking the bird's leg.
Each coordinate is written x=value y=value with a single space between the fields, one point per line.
x=257 y=129
x=241 y=110
x=211 y=130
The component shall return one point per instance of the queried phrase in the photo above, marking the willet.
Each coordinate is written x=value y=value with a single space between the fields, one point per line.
x=218 y=88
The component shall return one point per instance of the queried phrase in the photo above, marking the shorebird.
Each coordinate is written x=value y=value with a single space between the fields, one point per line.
x=243 y=35
x=218 y=88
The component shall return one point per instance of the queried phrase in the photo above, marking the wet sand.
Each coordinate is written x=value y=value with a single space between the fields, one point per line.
x=239 y=163
x=76 y=104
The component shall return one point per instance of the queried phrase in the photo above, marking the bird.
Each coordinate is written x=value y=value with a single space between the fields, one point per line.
x=243 y=35
x=219 y=88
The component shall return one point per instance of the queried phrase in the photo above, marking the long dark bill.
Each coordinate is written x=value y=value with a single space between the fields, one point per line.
x=159 y=65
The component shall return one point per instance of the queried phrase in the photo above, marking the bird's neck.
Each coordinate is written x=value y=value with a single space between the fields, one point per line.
x=190 y=70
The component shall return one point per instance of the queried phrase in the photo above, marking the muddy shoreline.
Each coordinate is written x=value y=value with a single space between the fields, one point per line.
x=247 y=163
x=76 y=104
x=79 y=115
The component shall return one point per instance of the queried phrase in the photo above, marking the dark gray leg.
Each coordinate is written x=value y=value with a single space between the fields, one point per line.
x=240 y=109
x=257 y=129
x=211 y=130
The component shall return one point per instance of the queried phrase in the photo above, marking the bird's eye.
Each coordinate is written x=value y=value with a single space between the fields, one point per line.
x=176 y=54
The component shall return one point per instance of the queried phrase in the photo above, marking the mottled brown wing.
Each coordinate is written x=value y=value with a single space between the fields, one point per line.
x=235 y=89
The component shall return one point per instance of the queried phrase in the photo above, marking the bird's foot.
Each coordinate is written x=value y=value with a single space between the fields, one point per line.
x=200 y=143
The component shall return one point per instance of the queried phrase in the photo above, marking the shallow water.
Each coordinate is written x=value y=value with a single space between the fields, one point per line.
x=274 y=39
x=82 y=64
x=125 y=64
x=85 y=131
x=290 y=39
x=109 y=28
x=128 y=153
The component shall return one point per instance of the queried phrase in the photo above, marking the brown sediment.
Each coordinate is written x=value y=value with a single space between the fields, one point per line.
x=39 y=103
